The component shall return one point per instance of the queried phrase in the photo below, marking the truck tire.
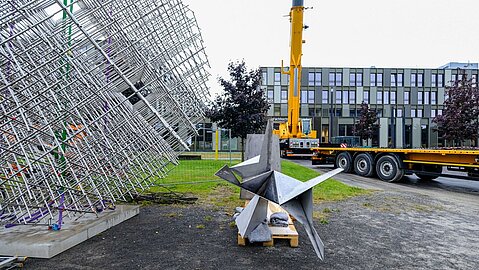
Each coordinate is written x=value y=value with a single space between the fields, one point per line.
x=344 y=161
x=364 y=165
x=387 y=169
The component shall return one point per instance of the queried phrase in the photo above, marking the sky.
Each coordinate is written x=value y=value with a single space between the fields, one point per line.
x=342 y=33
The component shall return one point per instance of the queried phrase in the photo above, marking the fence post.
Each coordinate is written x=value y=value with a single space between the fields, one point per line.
x=216 y=143
x=229 y=143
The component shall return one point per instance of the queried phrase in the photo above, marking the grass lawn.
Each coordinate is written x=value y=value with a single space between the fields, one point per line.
x=197 y=177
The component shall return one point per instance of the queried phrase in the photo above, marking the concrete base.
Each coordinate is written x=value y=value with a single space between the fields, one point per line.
x=39 y=242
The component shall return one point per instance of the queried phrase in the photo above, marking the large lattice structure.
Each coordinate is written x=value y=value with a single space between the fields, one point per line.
x=97 y=99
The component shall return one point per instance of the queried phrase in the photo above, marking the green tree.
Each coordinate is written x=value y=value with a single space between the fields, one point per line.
x=367 y=124
x=242 y=106
x=460 y=118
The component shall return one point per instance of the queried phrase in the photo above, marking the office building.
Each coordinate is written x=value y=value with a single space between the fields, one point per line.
x=406 y=100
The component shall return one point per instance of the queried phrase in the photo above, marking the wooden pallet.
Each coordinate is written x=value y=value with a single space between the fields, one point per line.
x=288 y=233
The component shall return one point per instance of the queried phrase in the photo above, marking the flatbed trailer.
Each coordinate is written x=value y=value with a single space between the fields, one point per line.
x=391 y=164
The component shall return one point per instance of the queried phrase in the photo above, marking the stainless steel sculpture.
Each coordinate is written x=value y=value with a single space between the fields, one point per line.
x=97 y=99
x=260 y=177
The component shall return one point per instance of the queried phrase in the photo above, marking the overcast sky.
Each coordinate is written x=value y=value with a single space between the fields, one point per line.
x=342 y=33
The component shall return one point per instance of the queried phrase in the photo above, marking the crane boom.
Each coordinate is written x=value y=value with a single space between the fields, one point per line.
x=295 y=131
x=294 y=71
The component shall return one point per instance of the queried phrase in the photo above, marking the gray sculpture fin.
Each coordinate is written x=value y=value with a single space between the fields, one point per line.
x=303 y=186
x=252 y=215
x=301 y=208
x=226 y=174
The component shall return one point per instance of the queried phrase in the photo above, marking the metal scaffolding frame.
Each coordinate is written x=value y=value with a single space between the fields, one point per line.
x=97 y=99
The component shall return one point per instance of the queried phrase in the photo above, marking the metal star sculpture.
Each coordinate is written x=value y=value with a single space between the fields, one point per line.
x=259 y=175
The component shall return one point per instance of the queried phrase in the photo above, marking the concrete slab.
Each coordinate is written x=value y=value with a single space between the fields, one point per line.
x=39 y=242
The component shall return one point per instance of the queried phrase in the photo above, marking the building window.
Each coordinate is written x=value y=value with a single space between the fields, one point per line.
x=406 y=97
x=339 y=79
x=420 y=98
x=426 y=98
x=393 y=97
x=284 y=96
x=433 y=113
x=379 y=97
x=376 y=79
x=399 y=113
x=264 y=77
x=413 y=112
x=379 y=79
x=352 y=97
x=352 y=79
x=317 y=78
x=277 y=78
x=277 y=110
x=355 y=79
x=440 y=80
x=433 y=80
x=420 y=80
x=400 y=79
x=311 y=97
x=345 y=97
x=419 y=113
x=314 y=79
x=433 y=97
x=325 y=97
x=311 y=79
x=335 y=79
x=338 y=97
x=359 y=79
x=413 y=79
x=366 y=97
x=439 y=112
x=353 y=113
x=304 y=97
x=386 y=97
x=270 y=96
x=396 y=79
x=331 y=79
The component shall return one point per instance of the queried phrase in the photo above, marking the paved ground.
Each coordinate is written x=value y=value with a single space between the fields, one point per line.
x=401 y=226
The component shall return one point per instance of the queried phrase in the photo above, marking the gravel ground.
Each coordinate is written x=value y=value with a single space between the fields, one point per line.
x=383 y=230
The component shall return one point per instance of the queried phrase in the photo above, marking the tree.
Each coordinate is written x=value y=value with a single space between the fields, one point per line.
x=460 y=118
x=242 y=106
x=366 y=125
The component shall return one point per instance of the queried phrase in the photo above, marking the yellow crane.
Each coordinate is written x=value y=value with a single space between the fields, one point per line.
x=296 y=135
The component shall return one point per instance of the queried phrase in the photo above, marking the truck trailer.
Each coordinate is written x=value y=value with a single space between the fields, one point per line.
x=390 y=164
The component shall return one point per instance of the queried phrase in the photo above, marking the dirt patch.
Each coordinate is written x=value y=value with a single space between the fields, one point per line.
x=383 y=230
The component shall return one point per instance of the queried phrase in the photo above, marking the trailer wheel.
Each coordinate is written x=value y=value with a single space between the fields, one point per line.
x=344 y=161
x=364 y=165
x=387 y=169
